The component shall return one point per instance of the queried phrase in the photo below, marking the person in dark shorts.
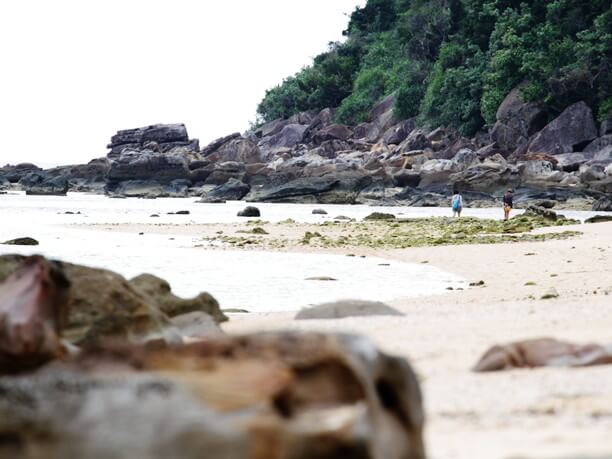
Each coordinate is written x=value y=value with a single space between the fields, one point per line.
x=508 y=203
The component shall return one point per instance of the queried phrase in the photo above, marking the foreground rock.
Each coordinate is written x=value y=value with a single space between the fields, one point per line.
x=347 y=308
x=33 y=310
x=249 y=211
x=298 y=396
x=102 y=305
x=543 y=352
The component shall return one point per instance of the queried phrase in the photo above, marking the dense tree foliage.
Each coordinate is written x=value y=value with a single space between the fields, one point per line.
x=451 y=62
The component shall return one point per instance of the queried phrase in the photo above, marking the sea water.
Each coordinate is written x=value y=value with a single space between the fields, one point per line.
x=254 y=280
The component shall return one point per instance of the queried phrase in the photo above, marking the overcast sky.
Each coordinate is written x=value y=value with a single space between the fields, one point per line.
x=73 y=72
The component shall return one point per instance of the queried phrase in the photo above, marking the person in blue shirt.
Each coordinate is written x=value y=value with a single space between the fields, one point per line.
x=457 y=204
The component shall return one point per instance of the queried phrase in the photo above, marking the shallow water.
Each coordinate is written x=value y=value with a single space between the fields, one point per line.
x=257 y=281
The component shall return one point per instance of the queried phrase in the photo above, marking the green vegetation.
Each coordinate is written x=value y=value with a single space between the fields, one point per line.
x=451 y=62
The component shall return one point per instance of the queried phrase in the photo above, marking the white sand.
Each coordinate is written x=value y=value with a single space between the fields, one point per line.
x=541 y=413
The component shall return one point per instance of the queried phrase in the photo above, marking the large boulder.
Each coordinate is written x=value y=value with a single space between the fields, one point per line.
x=215 y=144
x=221 y=172
x=285 y=192
x=178 y=188
x=397 y=134
x=284 y=395
x=488 y=177
x=569 y=132
x=236 y=149
x=232 y=190
x=148 y=165
x=158 y=137
x=517 y=121
x=41 y=183
x=332 y=132
x=289 y=136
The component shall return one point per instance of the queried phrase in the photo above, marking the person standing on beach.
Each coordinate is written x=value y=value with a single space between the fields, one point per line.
x=457 y=204
x=508 y=203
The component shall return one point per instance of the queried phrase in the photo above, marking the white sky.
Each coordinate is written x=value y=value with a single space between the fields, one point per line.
x=75 y=71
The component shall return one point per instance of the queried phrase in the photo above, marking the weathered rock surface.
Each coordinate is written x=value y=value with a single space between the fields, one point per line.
x=347 y=308
x=232 y=190
x=40 y=183
x=33 y=310
x=158 y=137
x=280 y=396
x=160 y=295
x=570 y=131
x=103 y=305
x=543 y=352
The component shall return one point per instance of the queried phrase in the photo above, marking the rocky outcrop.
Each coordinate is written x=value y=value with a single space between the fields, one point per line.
x=284 y=395
x=516 y=121
x=569 y=132
x=158 y=137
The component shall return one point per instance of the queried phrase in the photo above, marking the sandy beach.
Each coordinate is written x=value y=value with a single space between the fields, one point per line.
x=542 y=413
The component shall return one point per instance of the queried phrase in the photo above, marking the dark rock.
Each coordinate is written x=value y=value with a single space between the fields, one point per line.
x=566 y=133
x=332 y=132
x=318 y=396
x=148 y=165
x=517 y=121
x=21 y=241
x=406 y=178
x=215 y=144
x=347 y=308
x=160 y=137
x=222 y=172
x=397 y=134
x=160 y=294
x=232 y=190
x=15 y=173
x=380 y=216
x=542 y=352
x=40 y=183
x=33 y=310
x=599 y=144
x=298 y=187
x=319 y=212
x=249 y=211
x=485 y=177
x=599 y=219
x=535 y=211
x=288 y=137
x=237 y=149
x=181 y=212
x=603 y=204
x=147 y=189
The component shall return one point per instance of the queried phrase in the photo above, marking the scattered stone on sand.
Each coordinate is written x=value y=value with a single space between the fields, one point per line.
x=543 y=352
x=182 y=212
x=154 y=215
x=249 y=211
x=380 y=216
x=342 y=217
x=319 y=212
x=550 y=294
x=235 y=311
x=479 y=283
x=347 y=308
x=321 y=278
x=21 y=241
x=317 y=396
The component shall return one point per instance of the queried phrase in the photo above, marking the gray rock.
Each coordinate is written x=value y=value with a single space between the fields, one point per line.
x=599 y=144
x=249 y=211
x=298 y=187
x=40 y=183
x=319 y=212
x=237 y=149
x=397 y=134
x=517 y=121
x=603 y=204
x=215 y=144
x=347 y=308
x=148 y=165
x=232 y=190
x=288 y=137
x=566 y=133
